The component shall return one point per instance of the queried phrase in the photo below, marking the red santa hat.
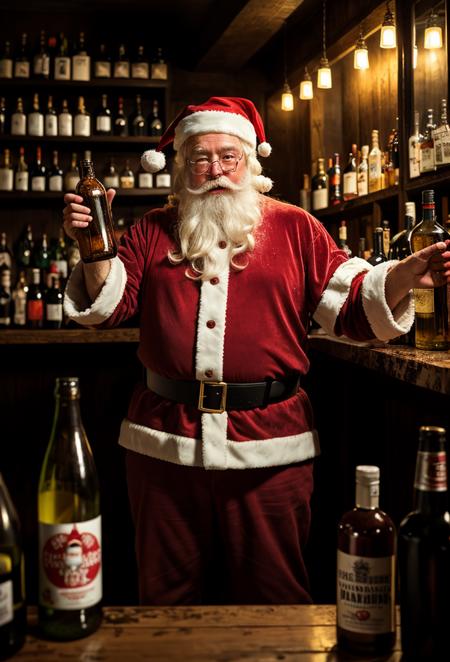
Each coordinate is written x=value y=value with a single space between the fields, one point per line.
x=74 y=537
x=234 y=116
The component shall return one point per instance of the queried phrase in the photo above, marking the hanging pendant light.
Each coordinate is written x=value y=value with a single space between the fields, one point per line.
x=433 y=32
x=361 y=56
x=324 y=80
x=287 y=98
x=388 y=37
x=306 y=86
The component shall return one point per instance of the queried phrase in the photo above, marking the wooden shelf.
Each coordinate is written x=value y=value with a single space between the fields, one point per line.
x=356 y=205
x=121 y=141
x=25 y=196
x=67 y=336
x=112 y=83
x=429 y=180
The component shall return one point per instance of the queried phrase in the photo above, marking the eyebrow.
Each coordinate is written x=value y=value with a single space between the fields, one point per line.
x=225 y=148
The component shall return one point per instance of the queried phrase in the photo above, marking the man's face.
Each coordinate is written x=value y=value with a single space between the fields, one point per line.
x=216 y=148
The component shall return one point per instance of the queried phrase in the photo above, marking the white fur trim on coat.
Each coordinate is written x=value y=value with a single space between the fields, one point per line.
x=385 y=324
x=214 y=121
x=77 y=305
x=253 y=454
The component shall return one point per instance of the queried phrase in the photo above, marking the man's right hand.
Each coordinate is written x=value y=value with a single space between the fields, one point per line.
x=76 y=215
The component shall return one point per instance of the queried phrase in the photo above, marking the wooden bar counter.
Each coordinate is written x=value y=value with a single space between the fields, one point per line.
x=303 y=633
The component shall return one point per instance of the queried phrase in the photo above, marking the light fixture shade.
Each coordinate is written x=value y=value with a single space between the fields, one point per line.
x=361 y=55
x=287 y=99
x=388 y=37
x=306 y=86
x=433 y=37
x=324 y=75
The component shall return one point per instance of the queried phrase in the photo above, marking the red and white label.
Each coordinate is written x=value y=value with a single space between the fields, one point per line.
x=70 y=568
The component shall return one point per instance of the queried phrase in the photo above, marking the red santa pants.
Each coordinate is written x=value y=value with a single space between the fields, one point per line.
x=220 y=537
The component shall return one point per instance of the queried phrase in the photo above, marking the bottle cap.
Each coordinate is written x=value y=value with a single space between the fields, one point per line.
x=367 y=474
x=67 y=387
x=428 y=196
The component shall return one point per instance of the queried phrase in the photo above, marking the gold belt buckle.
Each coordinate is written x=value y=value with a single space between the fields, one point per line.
x=223 y=399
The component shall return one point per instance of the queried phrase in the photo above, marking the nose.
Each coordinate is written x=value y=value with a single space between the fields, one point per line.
x=215 y=169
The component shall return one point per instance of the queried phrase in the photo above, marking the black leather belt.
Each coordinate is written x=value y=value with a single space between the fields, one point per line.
x=216 y=397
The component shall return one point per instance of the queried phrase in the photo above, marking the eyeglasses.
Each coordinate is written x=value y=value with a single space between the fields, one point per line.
x=201 y=166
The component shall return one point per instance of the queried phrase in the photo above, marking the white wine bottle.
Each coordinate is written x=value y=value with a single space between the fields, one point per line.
x=12 y=593
x=70 y=564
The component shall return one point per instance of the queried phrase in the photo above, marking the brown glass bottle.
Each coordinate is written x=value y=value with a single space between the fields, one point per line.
x=366 y=571
x=97 y=241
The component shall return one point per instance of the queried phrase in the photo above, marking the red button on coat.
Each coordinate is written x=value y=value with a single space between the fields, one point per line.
x=210 y=324
x=214 y=280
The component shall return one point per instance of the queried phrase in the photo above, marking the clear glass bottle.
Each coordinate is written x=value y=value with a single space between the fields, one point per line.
x=6 y=172
x=70 y=564
x=375 y=183
x=72 y=177
x=36 y=119
x=111 y=175
x=19 y=120
x=427 y=163
x=366 y=571
x=363 y=171
x=414 y=143
x=21 y=176
x=82 y=120
x=65 y=120
x=424 y=555
x=430 y=303
x=81 y=61
x=319 y=186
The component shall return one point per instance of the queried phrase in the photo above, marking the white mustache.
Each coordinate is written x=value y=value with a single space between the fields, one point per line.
x=220 y=182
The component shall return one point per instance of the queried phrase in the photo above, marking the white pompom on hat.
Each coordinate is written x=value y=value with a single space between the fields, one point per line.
x=234 y=116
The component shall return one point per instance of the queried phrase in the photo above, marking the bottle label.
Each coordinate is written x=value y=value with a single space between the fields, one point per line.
x=61 y=266
x=20 y=307
x=6 y=590
x=363 y=183
x=102 y=69
x=21 y=69
x=35 y=310
x=140 y=70
x=441 y=145
x=18 y=124
x=70 y=568
x=159 y=71
x=55 y=183
x=111 y=181
x=54 y=312
x=350 y=187
x=82 y=125
x=38 y=183
x=426 y=156
x=6 y=179
x=65 y=124
x=81 y=67
x=103 y=123
x=70 y=182
x=36 y=124
x=145 y=180
x=365 y=593
x=121 y=70
x=126 y=181
x=51 y=125
x=424 y=301
x=21 y=181
x=6 y=68
x=163 y=180
x=431 y=472
x=414 y=157
x=320 y=198
x=62 y=68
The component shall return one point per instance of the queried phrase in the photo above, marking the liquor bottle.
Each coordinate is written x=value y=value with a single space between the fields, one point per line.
x=54 y=305
x=414 y=148
x=22 y=61
x=441 y=138
x=375 y=183
x=159 y=66
x=41 y=61
x=400 y=246
x=120 y=120
x=62 y=63
x=319 y=186
x=163 y=178
x=363 y=172
x=6 y=63
x=427 y=163
x=366 y=571
x=305 y=193
x=59 y=258
x=70 y=565
x=395 y=157
x=81 y=61
x=378 y=255
x=103 y=123
x=5 y=253
x=38 y=173
x=121 y=64
x=362 y=253
x=72 y=177
x=386 y=236
x=3 y=122
x=19 y=120
x=19 y=298
x=65 y=120
x=126 y=178
x=51 y=119
x=13 y=622
x=35 y=301
x=110 y=175
x=96 y=241
x=24 y=248
x=36 y=119
x=5 y=314
x=350 y=188
x=335 y=182
x=140 y=67
x=343 y=238
x=102 y=63
x=82 y=120
x=55 y=174
x=138 y=123
x=21 y=177
x=156 y=127
x=431 y=304
x=6 y=172
x=424 y=555
x=41 y=255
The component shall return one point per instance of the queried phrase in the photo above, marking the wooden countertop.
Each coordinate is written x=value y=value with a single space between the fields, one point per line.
x=293 y=633
x=430 y=370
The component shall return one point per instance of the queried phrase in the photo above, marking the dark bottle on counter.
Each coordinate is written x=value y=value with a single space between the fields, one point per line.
x=69 y=525
x=13 y=612
x=424 y=555
x=378 y=255
x=366 y=560
x=335 y=181
x=35 y=302
x=96 y=241
x=54 y=305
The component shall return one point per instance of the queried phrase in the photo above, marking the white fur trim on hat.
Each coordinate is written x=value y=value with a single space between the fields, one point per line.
x=214 y=121
x=153 y=161
x=264 y=149
x=262 y=184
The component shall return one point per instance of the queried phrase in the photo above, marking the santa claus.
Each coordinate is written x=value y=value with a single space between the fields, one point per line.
x=220 y=436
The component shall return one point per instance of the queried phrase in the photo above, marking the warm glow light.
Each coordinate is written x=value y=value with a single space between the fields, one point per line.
x=361 y=58
x=388 y=38
x=306 y=86
x=433 y=37
x=287 y=100
x=324 y=75
x=415 y=56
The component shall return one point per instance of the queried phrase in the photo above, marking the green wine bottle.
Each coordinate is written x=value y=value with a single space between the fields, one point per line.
x=70 y=564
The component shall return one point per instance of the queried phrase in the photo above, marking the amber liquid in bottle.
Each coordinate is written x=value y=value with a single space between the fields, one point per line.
x=431 y=304
x=366 y=571
x=97 y=241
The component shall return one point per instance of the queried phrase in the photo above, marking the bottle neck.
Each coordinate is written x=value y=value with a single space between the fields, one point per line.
x=378 y=243
x=67 y=413
x=367 y=496
x=429 y=213
x=430 y=483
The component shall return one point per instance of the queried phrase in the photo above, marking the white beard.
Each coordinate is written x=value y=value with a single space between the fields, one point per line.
x=207 y=218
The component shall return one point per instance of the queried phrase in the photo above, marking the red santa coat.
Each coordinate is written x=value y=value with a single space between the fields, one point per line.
x=243 y=326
